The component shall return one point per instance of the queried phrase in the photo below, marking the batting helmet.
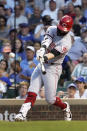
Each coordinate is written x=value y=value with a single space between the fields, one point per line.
x=65 y=24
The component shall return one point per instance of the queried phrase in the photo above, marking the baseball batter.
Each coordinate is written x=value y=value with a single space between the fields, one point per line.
x=55 y=46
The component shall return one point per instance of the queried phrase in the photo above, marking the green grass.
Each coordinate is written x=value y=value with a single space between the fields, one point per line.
x=44 y=126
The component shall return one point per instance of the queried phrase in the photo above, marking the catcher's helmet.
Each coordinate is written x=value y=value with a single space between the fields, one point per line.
x=65 y=24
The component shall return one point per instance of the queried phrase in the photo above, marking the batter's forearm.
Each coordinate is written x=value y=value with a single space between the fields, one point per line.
x=49 y=56
x=54 y=53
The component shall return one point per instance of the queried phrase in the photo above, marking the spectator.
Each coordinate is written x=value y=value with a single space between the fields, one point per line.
x=85 y=15
x=25 y=10
x=76 y=29
x=71 y=10
x=86 y=82
x=25 y=34
x=23 y=88
x=59 y=4
x=4 y=86
x=71 y=90
x=39 y=4
x=41 y=94
x=60 y=14
x=52 y=11
x=84 y=5
x=12 y=36
x=84 y=36
x=2 y=2
x=19 y=18
x=16 y=75
x=2 y=11
x=79 y=19
x=67 y=69
x=3 y=29
x=35 y=19
x=79 y=48
x=10 y=3
x=75 y=2
x=30 y=62
x=40 y=29
x=7 y=43
x=37 y=46
x=18 y=50
x=8 y=11
x=81 y=93
x=4 y=67
x=84 y=9
x=4 y=43
x=80 y=69
x=28 y=43
x=5 y=53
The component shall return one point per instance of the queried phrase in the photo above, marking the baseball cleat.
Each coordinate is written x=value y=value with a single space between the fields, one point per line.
x=19 y=117
x=67 y=113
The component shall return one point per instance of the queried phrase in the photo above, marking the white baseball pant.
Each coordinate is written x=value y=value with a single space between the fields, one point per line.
x=49 y=80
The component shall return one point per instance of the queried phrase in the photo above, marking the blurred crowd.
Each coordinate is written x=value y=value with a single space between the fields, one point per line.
x=23 y=24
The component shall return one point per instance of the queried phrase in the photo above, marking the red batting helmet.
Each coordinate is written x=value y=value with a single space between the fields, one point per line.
x=65 y=24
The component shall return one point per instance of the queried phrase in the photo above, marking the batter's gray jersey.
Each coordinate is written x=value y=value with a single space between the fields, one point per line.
x=53 y=72
x=60 y=43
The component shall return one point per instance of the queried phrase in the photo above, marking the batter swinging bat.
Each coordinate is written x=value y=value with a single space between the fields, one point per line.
x=42 y=67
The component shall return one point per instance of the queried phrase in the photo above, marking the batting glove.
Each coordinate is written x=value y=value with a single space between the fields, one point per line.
x=40 y=53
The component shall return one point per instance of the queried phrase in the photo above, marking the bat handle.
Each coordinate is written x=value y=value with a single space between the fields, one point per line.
x=42 y=67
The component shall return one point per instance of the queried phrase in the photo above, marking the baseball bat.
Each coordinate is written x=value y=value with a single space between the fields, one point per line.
x=42 y=67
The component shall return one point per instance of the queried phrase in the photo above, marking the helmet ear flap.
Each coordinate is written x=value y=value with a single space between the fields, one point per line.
x=65 y=24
